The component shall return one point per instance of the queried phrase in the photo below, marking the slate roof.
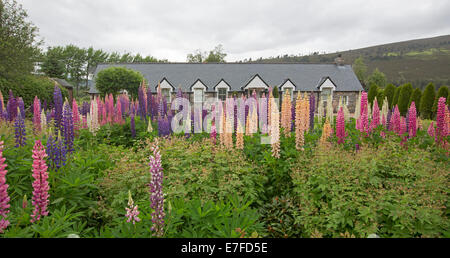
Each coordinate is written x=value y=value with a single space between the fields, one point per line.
x=306 y=77
x=63 y=83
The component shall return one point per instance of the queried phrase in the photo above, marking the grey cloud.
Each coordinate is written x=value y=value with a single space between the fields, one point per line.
x=171 y=29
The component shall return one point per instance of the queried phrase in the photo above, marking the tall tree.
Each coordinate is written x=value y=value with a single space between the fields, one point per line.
x=442 y=92
x=19 y=47
x=217 y=55
x=426 y=101
x=415 y=96
x=373 y=92
x=52 y=64
x=396 y=94
x=360 y=69
x=389 y=92
x=93 y=58
x=377 y=78
x=403 y=98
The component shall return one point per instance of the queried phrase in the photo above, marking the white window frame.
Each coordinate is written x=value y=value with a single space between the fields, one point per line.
x=288 y=85
x=222 y=85
x=198 y=85
x=218 y=93
x=164 y=84
x=346 y=98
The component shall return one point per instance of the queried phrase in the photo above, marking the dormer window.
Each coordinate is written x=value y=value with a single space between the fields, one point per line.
x=199 y=91
x=288 y=86
x=222 y=89
x=166 y=90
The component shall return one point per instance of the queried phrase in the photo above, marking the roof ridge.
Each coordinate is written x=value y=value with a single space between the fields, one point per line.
x=165 y=63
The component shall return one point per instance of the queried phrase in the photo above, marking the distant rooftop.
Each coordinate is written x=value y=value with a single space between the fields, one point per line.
x=305 y=76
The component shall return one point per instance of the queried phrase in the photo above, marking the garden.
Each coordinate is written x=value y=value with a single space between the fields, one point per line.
x=118 y=167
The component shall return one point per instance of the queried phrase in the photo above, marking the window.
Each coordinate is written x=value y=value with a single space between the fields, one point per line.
x=166 y=93
x=291 y=92
x=346 y=100
x=222 y=94
x=198 y=95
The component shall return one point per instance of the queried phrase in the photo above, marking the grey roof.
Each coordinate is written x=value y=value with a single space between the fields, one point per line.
x=63 y=82
x=306 y=77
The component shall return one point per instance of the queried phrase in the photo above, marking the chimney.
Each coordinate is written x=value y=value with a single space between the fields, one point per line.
x=339 y=60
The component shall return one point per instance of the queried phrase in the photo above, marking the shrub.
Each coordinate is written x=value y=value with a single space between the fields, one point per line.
x=426 y=101
x=415 y=96
x=396 y=95
x=114 y=79
x=373 y=92
x=380 y=98
x=29 y=86
x=442 y=92
x=391 y=191
x=403 y=98
x=389 y=92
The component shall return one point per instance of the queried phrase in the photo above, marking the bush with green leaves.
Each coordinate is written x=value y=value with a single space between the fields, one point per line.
x=30 y=86
x=391 y=191
x=396 y=95
x=389 y=92
x=426 y=102
x=442 y=92
x=416 y=96
x=403 y=98
x=372 y=94
x=114 y=79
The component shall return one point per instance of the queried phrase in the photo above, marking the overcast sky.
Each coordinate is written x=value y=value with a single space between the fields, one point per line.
x=171 y=29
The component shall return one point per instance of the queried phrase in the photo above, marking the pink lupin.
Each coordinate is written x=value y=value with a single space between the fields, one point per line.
x=40 y=184
x=4 y=197
x=412 y=127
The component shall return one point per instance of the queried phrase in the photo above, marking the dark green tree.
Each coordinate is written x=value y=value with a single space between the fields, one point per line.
x=93 y=58
x=427 y=100
x=442 y=92
x=396 y=94
x=377 y=78
x=114 y=79
x=373 y=92
x=19 y=47
x=217 y=55
x=360 y=69
x=380 y=98
x=415 y=96
x=389 y=92
x=53 y=65
x=275 y=92
x=403 y=98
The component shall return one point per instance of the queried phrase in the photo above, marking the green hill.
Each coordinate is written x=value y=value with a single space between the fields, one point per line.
x=417 y=61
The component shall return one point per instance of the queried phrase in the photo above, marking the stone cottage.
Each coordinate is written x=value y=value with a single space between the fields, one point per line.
x=222 y=80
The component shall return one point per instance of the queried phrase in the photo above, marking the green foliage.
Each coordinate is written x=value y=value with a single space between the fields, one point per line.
x=442 y=92
x=377 y=78
x=403 y=98
x=225 y=219
x=280 y=216
x=360 y=69
x=426 y=102
x=275 y=92
x=380 y=191
x=396 y=95
x=389 y=92
x=29 y=86
x=114 y=79
x=380 y=98
x=214 y=56
x=416 y=96
x=373 y=92
x=19 y=46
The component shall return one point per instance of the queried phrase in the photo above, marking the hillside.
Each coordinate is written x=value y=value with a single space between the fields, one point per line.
x=417 y=61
